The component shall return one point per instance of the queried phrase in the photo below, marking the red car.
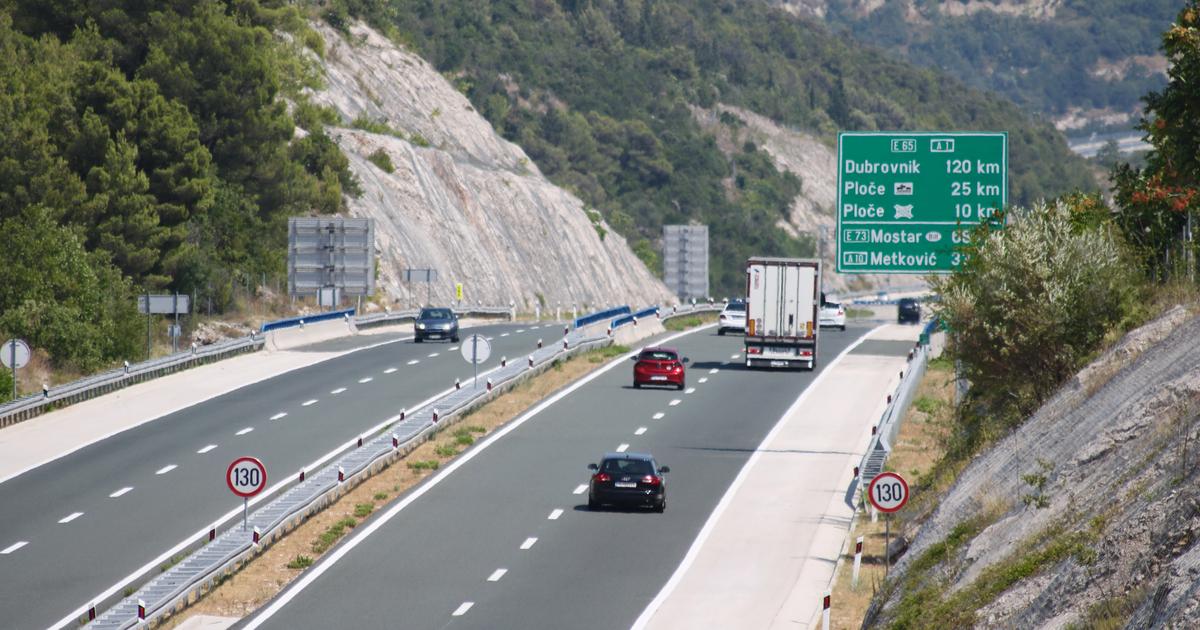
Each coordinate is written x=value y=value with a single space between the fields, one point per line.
x=659 y=366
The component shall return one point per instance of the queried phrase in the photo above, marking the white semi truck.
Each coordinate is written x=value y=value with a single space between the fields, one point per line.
x=783 y=300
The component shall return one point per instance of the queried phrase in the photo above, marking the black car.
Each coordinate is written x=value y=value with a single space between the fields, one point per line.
x=908 y=310
x=435 y=323
x=628 y=479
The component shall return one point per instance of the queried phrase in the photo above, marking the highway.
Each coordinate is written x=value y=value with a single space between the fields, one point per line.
x=78 y=525
x=502 y=538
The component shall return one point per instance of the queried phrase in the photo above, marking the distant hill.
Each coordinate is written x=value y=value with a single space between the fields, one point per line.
x=1082 y=63
x=601 y=96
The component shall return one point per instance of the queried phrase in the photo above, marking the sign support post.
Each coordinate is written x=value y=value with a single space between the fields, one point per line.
x=246 y=477
x=888 y=492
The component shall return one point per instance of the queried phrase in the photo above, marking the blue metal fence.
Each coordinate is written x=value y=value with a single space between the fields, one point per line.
x=642 y=314
x=306 y=319
x=601 y=316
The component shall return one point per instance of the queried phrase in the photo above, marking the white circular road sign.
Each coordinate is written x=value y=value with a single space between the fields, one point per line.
x=246 y=477
x=14 y=354
x=888 y=492
x=476 y=349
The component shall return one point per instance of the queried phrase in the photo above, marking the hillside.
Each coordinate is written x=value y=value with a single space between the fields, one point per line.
x=601 y=96
x=446 y=192
x=1081 y=63
x=1086 y=516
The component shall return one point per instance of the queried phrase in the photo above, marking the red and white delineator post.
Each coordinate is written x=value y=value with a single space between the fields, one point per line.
x=825 y=612
x=857 y=562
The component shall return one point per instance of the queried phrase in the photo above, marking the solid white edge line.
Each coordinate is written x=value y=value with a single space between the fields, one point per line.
x=529 y=543
x=70 y=517
x=622 y=448
x=69 y=621
x=206 y=449
x=462 y=609
x=362 y=533
x=555 y=514
x=13 y=547
x=166 y=469
x=245 y=431
x=281 y=414
x=580 y=489
x=120 y=492
x=727 y=498
x=188 y=406
x=496 y=575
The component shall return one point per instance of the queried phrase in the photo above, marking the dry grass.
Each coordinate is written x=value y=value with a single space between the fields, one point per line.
x=269 y=573
x=919 y=448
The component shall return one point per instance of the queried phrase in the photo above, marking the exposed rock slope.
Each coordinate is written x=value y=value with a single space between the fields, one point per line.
x=1118 y=460
x=462 y=200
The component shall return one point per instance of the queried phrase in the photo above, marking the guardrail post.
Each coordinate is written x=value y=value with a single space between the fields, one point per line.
x=565 y=343
x=257 y=535
x=301 y=475
x=512 y=310
x=531 y=359
x=212 y=533
x=435 y=415
x=566 y=330
x=503 y=361
x=91 y=612
x=635 y=321
x=825 y=612
x=341 y=474
x=539 y=344
x=489 y=384
x=359 y=442
x=395 y=441
x=402 y=412
x=141 y=610
x=857 y=562
x=457 y=385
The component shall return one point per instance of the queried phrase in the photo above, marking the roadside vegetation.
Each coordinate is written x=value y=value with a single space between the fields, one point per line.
x=684 y=322
x=1037 y=300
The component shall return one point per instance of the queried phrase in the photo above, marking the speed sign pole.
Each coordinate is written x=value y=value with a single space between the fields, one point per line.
x=888 y=492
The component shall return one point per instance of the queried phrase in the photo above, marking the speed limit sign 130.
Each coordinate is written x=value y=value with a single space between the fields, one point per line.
x=246 y=477
x=888 y=492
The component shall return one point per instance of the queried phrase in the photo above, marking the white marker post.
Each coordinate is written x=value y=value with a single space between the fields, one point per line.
x=825 y=612
x=476 y=350
x=246 y=477
x=888 y=492
x=857 y=563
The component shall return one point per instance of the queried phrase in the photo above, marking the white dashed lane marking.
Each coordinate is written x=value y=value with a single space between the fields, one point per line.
x=690 y=390
x=529 y=543
x=13 y=547
x=735 y=356
x=165 y=469
x=622 y=448
x=497 y=574
x=581 y=488
x=503 y=334
x=452 y=349
x=433 y=355
x=279 y=415
x=703 y=380
x=520 y=331
x=120 y=492
x=70 y=517
x=713 y=371
x=659 y=415
x=640 y=431
x=206 y=449
x=462 y=609
x=554 y=515
x=245 y=431
x=491 y=338
x=389 y=370
x=365 y=380
x=338 y=391
x=308 y=403
x=414 y=362
x=674 y=402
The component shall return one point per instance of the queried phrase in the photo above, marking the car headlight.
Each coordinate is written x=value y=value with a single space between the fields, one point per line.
x=420 y=326
x=446 y=326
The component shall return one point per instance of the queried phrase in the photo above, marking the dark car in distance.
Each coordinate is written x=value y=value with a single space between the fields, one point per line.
x=628 y=479
x=908 y=310
x=435 y=323
x=659 y=366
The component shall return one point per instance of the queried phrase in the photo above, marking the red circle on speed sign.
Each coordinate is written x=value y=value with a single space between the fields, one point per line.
x=888 y=492
x=246 y=477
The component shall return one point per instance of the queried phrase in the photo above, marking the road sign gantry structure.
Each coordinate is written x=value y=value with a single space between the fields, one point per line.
x=906 y=201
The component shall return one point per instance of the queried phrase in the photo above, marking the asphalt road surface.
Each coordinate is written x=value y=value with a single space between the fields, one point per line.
x=505 y=540
x=76 y=526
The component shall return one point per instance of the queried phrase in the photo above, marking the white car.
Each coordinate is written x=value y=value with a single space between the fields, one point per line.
x=733 y=317
x=833 y=315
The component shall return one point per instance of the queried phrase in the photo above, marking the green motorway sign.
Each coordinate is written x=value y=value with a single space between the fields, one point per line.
x=906 y=200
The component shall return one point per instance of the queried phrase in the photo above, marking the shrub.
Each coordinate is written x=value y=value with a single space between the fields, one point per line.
x=381 y=159
x=363 y=510
x=300 y=562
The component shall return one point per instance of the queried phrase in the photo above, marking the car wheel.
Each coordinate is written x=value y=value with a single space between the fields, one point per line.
x=842 y=328
x=592 y=505
x=454 y=339
x=662 y=506
x=721 y=332
x=679 y=387
x=417 y=339
x=637 y=385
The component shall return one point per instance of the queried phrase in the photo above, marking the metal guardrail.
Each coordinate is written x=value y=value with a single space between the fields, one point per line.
x=580 y=322
x=292 y=322
x=633 y=317
x=392 y=317
x=222 y=554
x=691 y=309
x=95 y=385
x=889 y=423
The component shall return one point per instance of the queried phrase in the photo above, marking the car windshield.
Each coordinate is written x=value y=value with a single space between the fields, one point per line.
x=833 y=305
x=657 y=355
x=908 y=302
x=627 y=467
x=436 y=313
x=741 y=308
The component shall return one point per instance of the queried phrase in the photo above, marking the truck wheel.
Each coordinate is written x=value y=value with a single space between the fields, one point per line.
x=721 y=332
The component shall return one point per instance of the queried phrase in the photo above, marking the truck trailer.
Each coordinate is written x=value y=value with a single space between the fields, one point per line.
x=783 y=300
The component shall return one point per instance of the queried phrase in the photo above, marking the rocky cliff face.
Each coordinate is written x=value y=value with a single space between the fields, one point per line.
x=461 y=199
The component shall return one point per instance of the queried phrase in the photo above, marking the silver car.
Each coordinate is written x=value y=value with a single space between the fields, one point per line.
x=733 y=317
x=833 y=315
